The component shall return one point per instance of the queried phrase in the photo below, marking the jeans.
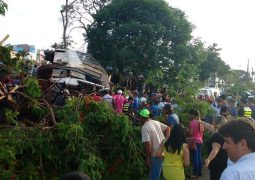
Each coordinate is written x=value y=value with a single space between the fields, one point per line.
x=155 y=168
x=196 y=159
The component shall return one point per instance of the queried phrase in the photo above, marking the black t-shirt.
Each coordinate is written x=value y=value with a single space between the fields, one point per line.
x=241 y=111
x=219 y=163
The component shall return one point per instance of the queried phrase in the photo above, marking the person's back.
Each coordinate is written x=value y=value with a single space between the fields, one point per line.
x=195 y=130
x=198 y=131
x=175 y=153
x=154 y=110
x=109 y=99
x=119 y=101
x=173 y=165
x=172 y=119
x=137 y=103
x=244 y=110
x=152 y=135
x=152 y=130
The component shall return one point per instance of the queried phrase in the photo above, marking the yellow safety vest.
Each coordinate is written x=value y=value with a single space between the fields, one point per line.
x=247 y=112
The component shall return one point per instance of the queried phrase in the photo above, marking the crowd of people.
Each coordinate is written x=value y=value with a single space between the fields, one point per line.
x=170 y=147
x=230 y=146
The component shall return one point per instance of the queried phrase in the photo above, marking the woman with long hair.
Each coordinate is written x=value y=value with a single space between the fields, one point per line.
x=217 y=158
x=175 y=153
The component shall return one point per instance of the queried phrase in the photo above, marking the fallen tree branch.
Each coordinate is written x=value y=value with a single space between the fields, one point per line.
x=50 y=110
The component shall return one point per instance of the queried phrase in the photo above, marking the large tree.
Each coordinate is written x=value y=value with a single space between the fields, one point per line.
x=213 y=65
x=238 y=81
x=142 y=36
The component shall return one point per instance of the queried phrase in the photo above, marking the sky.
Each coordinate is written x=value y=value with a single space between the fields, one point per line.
x=228 y=23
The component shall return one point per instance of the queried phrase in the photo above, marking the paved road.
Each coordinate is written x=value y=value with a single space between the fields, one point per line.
x=206 y=175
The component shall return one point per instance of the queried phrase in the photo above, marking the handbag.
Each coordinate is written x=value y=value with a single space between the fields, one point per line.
x=191 y=143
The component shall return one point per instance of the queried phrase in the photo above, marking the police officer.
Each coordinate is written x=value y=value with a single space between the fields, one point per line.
x=244 y=110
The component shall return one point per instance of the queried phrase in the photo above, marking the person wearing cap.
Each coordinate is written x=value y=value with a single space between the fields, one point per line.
x=153 y=133
x=119 y=100
x=244 y=110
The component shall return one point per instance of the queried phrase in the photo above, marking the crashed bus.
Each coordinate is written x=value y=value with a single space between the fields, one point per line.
x=75 y=70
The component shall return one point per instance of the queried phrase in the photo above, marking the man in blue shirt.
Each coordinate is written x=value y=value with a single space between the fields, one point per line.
x=172 y=118
x=137 y=102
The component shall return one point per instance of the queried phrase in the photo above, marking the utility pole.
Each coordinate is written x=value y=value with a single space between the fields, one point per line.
x=252 y=74
x=248 y=70
x=248 y=64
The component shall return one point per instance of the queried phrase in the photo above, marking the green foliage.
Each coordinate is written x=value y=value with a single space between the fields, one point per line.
x=5 y=53
x=89 y=138
x=32 y=88
x=38 y=111
x=3 y=7
x=114 y=135
x=13 y=65
x=11 y=116
x=213 y=64
x=238 y=81
x=186 y=103
x=141 y=36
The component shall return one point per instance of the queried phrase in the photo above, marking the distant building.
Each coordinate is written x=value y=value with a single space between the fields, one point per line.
x=26 y=48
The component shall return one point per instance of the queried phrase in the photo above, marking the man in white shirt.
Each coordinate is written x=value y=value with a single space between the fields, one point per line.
x=239 y=143
x=152 y=136
x=108 y=98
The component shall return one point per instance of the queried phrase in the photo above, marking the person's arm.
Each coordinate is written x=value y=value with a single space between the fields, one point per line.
x=147 y=145
x=160 y=150
x=208 y=126
x=167 y=132
x=190 y=131
x=215 y=149
x=186 y=160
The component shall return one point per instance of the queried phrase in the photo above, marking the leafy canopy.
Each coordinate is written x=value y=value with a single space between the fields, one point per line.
x=138 y=35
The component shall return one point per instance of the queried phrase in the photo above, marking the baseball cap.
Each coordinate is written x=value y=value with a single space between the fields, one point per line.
x=143 y=99
x=119 y=91
x=144 y=113
x=229 y=97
